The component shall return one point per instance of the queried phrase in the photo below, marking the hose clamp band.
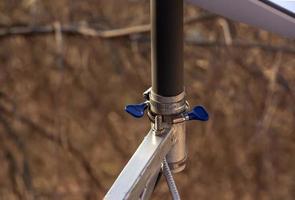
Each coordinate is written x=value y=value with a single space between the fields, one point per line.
x=167 y=105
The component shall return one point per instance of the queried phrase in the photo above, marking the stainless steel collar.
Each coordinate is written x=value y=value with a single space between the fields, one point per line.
x=167 y=105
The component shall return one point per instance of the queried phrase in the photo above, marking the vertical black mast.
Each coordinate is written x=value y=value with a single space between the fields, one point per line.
x=167 y=47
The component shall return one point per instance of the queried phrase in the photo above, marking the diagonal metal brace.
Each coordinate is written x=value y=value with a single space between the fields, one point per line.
x=142 y=166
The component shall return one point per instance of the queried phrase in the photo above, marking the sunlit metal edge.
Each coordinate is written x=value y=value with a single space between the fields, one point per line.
x=142 y=166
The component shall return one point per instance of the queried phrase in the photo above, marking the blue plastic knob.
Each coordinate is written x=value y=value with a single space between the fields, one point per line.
x=198 y=113
x=136 y=110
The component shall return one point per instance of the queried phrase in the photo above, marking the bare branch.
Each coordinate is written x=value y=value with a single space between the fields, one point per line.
x=243 y=45
x=59 y=43
x=226 y=31
x=200 y=18
x=26 y=172
x=85 y=30
x=57 y=140
x=12 y=172
x=73 y=29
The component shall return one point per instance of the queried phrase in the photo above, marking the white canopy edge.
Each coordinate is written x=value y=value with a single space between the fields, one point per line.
x=252 y=12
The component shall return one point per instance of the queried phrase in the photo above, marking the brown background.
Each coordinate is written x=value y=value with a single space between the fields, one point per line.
x=63 y=131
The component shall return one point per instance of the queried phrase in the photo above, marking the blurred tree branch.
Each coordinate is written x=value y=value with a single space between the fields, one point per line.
x=85 y=30
x=241 y=44
x=57 y=140
x=257 y=72
x=12 y=172
x=25 y=174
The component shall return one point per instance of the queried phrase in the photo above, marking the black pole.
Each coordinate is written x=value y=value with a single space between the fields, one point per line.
x=167 y=47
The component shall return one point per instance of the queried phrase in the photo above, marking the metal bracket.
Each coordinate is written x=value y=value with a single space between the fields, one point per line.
x=143 y=165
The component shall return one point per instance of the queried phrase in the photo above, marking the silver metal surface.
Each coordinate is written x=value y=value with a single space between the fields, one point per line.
x=167 y=109
x=146 y=94
x=163 y=99
x=143 y=165
x=253 y=12
x=158 y=126
x=178 y=154
x=179 y=120
x=167 y=105
x=286 y=4
x=150 y=186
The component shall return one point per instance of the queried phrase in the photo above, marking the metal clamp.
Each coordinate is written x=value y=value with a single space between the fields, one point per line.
x=169 y=113
x=167 y=105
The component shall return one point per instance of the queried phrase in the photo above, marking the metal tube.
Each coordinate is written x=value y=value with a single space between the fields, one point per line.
x=178 y=154
x=167 y=47
x=144 y=164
